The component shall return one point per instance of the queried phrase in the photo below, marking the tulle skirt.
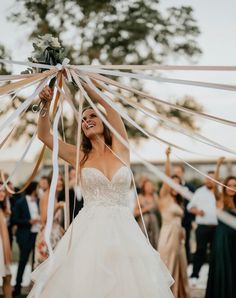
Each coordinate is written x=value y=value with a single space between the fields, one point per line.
x=104 y=254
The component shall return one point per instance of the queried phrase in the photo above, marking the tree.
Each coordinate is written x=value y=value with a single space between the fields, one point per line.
x=113 y=32
x=4 y=69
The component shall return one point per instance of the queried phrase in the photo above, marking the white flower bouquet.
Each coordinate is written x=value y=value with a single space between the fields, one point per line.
x=47 y=50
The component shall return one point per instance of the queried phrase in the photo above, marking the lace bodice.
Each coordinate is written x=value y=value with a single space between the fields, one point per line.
x=98 y=190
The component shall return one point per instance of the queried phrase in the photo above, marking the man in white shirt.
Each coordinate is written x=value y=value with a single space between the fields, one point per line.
x=203 y=205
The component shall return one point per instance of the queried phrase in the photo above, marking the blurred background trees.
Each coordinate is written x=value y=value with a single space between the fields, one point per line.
x=112 y=32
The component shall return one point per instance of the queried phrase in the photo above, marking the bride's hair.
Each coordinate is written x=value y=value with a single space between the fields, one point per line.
x=86 y=145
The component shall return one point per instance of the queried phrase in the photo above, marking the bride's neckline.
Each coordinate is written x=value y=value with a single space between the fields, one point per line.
x=101 y=173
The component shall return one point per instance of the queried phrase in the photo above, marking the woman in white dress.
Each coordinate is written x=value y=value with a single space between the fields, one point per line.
x=5 y=248
x=105 y=254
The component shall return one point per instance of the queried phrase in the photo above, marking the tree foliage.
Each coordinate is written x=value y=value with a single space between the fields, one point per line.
x=4 y=69
x=114 y=32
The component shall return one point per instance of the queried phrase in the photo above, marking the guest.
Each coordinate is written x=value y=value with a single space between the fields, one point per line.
x=141 y=180
x=203 y=205
x=172 y=236
x=41 y=250
x=76 y=199
x=5 y=249
x=149 y=207
x=26 y=218
x=188 y=217
x=222 y=272
x=10 y=202
x=43 y=186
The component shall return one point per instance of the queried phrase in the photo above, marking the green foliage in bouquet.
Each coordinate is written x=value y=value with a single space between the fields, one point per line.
x=47 y=50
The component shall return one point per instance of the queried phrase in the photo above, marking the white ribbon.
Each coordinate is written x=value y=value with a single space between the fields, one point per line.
x=127 y=118
x=15 y=77
x=122 y=140
x=163 y=80
x=77 y=169
x=172 y=125
x=51 y=201
x=155 y=99
x=65 y=62
x=27 y=63
x=159 y=67
x=17 y=165
x=138 y=76
x=23 y=106
x=228 y=219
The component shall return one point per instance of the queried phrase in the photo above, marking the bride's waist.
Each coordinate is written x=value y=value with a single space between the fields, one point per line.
x=108 y=203
x=111 y=200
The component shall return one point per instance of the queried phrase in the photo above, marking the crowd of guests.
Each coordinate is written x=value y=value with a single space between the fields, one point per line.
x=24 y=216
x=165 y=216
x=169 y=219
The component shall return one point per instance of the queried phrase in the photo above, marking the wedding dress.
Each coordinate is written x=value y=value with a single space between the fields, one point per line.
x=108 y=255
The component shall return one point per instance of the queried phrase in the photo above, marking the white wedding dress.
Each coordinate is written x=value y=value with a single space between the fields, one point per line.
x=109 y=257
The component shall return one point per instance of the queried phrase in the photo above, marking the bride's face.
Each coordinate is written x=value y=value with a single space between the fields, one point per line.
x=91 y=124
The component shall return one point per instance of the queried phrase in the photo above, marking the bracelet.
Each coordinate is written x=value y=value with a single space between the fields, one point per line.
x=43 y=112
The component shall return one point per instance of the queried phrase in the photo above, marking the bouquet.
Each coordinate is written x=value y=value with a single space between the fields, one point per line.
x=47 y=50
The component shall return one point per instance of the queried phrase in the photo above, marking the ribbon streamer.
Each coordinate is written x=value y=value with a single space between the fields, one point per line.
x=25 y=82
x=180 y=189
x=159 y=67
x=157 y=100
x=173 y=125
x=164 y=80
x=17 y=165
x=126 y=117
x=27 y=63
x=23 y=106
x=96 y=72
x=51 y=201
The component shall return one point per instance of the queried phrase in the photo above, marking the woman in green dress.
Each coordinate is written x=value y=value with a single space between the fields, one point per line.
x=222 y=272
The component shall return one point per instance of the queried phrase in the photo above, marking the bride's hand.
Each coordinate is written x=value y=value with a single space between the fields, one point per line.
x=46 y=94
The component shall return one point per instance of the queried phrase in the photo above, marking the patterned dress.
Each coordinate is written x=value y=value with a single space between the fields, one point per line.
x=41 y=250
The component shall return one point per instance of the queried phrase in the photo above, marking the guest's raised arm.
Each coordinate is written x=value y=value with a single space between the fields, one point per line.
x=165 y=189
x=220 y=161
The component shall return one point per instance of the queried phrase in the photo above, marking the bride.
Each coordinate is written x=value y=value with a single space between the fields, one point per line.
x=109 y=257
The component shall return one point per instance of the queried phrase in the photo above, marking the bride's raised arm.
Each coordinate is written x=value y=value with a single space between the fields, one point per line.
x=66 y=151
x=114 y=119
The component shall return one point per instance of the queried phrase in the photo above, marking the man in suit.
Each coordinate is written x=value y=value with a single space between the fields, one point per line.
x=188 y=218
x=10 y=202
x=12 y=199
x=26 y=217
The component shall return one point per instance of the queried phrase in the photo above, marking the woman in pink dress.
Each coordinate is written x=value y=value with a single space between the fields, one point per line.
x=5 y=248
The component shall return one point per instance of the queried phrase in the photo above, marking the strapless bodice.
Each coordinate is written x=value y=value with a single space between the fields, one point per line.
x=98 y=190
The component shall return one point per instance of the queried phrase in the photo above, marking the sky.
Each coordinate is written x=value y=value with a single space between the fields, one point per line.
x=217 y=22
